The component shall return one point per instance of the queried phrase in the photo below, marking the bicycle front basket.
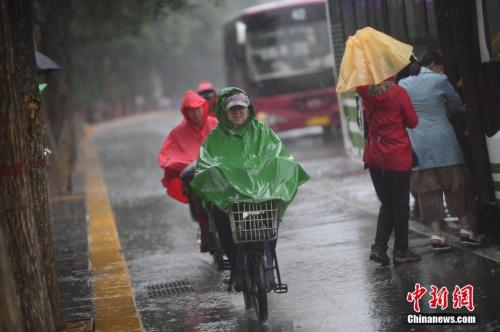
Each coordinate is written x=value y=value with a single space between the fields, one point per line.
x=252 y=222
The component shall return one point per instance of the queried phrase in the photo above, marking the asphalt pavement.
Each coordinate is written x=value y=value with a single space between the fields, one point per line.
x=323 y=248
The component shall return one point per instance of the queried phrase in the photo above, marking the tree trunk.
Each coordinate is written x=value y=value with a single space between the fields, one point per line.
x=23 y=193
x=9 y=302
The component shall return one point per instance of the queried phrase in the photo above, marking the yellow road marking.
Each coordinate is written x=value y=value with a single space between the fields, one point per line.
x=114 y=302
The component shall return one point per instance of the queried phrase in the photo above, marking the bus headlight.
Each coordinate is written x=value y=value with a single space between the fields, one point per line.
x=270 y=119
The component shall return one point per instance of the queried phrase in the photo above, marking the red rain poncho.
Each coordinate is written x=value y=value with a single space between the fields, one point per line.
x=182 y=145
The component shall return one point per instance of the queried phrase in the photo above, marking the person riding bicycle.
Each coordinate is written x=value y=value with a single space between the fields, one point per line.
x=181 y=147
x=207 y=91
x=243 y=160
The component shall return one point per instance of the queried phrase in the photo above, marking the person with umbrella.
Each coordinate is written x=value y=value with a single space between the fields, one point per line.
x=369 y=65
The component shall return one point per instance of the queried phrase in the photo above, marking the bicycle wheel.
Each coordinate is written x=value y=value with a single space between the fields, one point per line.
x=259 y=287
x=247 y=286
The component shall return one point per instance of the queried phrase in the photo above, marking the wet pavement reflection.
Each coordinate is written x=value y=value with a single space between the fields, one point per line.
x=322 y=249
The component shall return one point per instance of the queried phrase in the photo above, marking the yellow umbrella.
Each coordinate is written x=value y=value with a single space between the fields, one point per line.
x=370 y=57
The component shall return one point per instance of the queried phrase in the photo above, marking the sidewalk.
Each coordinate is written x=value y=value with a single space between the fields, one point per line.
x=69 y=222
x=358 y=192
x=93 y=281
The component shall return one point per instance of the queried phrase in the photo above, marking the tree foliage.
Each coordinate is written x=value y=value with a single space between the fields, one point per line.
x=120 y=48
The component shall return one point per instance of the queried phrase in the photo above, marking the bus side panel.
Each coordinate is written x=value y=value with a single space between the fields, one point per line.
x=457 y=28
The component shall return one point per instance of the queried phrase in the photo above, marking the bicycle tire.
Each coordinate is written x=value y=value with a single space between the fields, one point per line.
x=259 y=287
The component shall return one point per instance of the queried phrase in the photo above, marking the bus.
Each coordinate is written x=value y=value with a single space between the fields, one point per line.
x=281 y=54
x=467 y=33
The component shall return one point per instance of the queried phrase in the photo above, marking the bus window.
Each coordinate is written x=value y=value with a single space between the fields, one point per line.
x=397 y=25
x=417 y=24
x=348 y=18
x=289 y=50
x=491 y=9
x=361 y=13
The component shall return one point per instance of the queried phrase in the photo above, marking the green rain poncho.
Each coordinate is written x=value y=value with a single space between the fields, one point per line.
x=246 y=164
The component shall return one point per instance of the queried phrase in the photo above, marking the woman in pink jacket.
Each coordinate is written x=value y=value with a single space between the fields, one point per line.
x=181 y=147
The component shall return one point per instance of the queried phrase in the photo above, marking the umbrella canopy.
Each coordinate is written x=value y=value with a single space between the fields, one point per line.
x=370 y=57
x=44 y=63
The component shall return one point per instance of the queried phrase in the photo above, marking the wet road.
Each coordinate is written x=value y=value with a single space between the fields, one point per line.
x=323 y=249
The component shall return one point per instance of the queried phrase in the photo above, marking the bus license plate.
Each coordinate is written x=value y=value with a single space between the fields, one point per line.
x=322 y=120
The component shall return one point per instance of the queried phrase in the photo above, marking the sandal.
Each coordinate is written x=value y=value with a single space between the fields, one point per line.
x=468 y=239
x=439 y=243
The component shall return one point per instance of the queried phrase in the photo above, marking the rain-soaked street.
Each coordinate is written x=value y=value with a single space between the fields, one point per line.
x=93 y=234
x=323 y=248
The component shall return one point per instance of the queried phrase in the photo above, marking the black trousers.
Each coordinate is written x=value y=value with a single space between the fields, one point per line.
x=393 y=191
x=224 y=229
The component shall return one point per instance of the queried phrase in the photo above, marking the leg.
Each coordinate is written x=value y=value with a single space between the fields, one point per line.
x=432 y=213
x=202 y=218
x=466 y=221
x=460 y=201
x=467 y=236
x=224 y=230
x=400 y=192
x=431 y=209
x=415 y=212
x=436 y=227
x=465 y=218
x=385 y=219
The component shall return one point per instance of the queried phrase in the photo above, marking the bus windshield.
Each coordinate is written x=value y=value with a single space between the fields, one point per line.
x=288 y=50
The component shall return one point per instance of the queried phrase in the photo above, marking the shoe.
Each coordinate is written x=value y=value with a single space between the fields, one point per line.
x=468 y=239
x=401 y=256
x=439 y=244
x=379 y=255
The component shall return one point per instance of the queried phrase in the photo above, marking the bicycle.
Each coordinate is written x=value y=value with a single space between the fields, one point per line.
x=254 y=228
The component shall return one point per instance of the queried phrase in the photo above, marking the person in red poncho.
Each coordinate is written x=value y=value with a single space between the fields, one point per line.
x=207 y=91
x=182 y=146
